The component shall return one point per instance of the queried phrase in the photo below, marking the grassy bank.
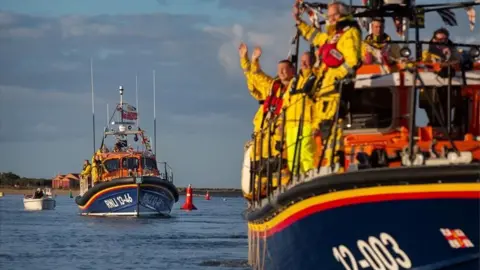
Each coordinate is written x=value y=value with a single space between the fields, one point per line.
x=214 y=192
x=21 y=191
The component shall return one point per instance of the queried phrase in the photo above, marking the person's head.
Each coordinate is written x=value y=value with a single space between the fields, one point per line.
x=85 y=162
x=285 y=70
x=441 y=35
x=336 y=10
x=378 y=27
x=38 y=189
x=306 y=60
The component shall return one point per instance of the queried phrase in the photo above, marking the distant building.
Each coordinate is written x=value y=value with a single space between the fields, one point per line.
x=66 y=181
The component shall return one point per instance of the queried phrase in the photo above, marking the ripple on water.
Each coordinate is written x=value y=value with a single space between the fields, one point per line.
x=212 y=237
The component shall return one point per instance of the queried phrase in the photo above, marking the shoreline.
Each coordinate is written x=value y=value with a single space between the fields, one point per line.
x=75 y=192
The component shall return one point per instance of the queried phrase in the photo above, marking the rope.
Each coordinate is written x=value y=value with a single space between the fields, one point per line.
x=264 y=237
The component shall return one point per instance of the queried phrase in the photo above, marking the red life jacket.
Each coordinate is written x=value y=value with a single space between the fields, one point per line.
x=332 y=57
x=273 y=103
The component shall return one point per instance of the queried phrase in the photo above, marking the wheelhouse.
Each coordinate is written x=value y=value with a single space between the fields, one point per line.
x=119 y=165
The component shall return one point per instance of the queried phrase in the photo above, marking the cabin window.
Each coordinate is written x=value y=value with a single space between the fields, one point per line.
x=112 y=164
x=130 y=163
x=436 y=98
x=149 y=164
x=370 y=108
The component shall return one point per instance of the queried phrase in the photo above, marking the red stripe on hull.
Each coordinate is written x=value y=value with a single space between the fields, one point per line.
x=369 y=199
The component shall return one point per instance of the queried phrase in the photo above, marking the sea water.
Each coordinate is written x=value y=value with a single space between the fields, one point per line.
x=212 y=237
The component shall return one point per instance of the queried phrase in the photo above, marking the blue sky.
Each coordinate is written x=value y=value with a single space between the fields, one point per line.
x=204 y=111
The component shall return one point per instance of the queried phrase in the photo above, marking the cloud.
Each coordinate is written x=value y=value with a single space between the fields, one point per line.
x=204 y=112
x=202 y=119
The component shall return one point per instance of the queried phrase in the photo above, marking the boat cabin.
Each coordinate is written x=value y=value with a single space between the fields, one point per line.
x=378 y=109
x=124 y=164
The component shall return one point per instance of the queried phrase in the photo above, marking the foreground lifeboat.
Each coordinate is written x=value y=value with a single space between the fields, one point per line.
x=396 y=206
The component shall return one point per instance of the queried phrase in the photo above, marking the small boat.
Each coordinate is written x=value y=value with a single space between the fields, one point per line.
x=409 y=196
x=132 y=183
x=45 y=202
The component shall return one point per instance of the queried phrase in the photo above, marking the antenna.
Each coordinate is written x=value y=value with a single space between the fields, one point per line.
x=93 y=103
x=136 y=98
x=120 y=90
x=154 y=119
x=108 y=122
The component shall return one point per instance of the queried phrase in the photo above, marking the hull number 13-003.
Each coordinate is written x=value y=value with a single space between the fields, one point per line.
x=376 y=254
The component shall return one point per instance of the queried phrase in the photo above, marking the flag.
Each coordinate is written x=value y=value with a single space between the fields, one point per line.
x=471 y=17
x=448 y=17
x=130 y=108
x=129 y=115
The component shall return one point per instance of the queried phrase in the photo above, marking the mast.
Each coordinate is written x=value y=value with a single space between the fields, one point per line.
x=136 y=99
x=120 y=89
x=413 y=96
x=93 y=103
x=108 y=124
x=154 y=119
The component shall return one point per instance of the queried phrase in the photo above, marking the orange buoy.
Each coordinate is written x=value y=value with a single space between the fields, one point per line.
x=188 y=205
x=207 y=196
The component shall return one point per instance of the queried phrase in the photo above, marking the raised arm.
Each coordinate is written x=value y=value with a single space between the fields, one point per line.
x=261 y=81
x=246 y=67
x=308 y=32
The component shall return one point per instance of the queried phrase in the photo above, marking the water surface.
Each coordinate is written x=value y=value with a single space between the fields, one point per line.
x=213 y=237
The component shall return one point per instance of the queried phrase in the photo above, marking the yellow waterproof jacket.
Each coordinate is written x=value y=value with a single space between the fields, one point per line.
x=264 y=83
x=349 y=45
x=371 y=44
x=293 y=102
x=256 y=94
x=435 y=54
x=86 y=170
x=97 y=170
x=427 y=56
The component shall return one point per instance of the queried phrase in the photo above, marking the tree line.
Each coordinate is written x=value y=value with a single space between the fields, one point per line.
x=10 y=179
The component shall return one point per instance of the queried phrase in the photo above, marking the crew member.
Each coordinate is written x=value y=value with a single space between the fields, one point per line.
x=86 y=172
x=375 y=49
x=274 y=90
x=38 y=194
x=445 y=53
x=97 y=168
x=441 y=52
x=298 y=101
x=256 y=94
x=340 y=48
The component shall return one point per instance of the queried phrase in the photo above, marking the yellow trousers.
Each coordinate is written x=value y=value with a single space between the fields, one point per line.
x=261 y=145
x=337 y=139
x=305 y=148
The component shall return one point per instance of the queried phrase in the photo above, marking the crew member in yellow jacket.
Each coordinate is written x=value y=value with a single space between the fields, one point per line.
x=298 y=101
x=442 y=52
x=256 y=94
x=340 y=51
x=375 y=49
x=273 y=89
x=86 y=172
x=97 y=167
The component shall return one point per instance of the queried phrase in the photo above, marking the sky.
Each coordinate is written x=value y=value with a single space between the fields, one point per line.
x=203 y=109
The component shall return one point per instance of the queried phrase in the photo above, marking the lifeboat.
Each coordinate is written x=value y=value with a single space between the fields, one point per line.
x=131 y=182
x=409 y=195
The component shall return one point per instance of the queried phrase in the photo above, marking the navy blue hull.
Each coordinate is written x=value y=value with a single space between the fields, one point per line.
x=407 y=235
x=126 y=198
